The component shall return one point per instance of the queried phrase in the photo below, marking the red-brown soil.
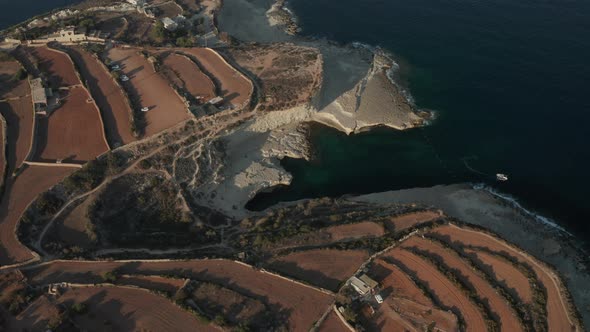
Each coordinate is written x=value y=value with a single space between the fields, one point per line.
x=558 y=316
x=355 y=231
x=9 y=86
x=441 y=287
x=332 y=323
x=18 y=114
x=108 y=96
x=304 y=305
x=399 y=223
x=73 y=132
x=505 y=272
x=326 y=268
x=31 y=181
x=485 y=291
x=157 y=283
x=403 y=296
x=58 y=66
x=233 y=306
x=127 y=309
x=35 y=317
x=235 y=88
x=193 y=79
x=152 y=91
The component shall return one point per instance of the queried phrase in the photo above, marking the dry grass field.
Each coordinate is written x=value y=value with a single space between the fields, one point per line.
x=355 y=231
x=73 y=132
x=108 y=96
x=332 y=323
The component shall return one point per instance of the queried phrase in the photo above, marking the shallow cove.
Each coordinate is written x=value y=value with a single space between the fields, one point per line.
x=509 y=82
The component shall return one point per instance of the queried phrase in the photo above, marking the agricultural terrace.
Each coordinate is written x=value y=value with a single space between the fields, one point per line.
x=129 y=309
x=326 y=268
x=497 y=304
x=73 y=132
x=189 y=76
x=36 y=317
x=409 y=220
x=18 y=113
x=57 y=65
x=116 y=113
x=157 y=283
x=504 y=272
x=304 y=305
x=333 y=323
x=408 y=300
x=559 y=312
x=355 y=231
x=2 y=149
x=150 y=90
x=30 y=182
x=440 y=287
x=233 y=86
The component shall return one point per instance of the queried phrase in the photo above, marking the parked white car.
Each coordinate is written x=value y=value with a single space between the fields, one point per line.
x=145 y=109
x=378 y=298
x=115 y=67
x=124 y=78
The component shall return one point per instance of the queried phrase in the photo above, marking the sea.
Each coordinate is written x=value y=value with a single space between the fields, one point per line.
x=16 y=11
x=508 y=80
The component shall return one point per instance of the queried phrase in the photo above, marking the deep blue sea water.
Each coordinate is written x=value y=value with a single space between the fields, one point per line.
x=509 y=79
x=15 y=11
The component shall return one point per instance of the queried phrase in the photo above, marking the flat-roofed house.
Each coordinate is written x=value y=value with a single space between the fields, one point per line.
x=39 y=96
x=363 y=284
x=169 y=24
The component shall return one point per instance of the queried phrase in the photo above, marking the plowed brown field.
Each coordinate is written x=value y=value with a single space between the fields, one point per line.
x=326 y=268
x=166 y=109
x=31 y=181
x=485 y=291
x=557 y=308
x=18 y=114
x=126 y=309
x=402 y=294
x=399 y=223
x=355 y=231
x=109 y=97
x=195 y=81
x=35 y=317
x=441 y=287
x=157 y=283
x=503 y=271
x=56 y=65
x=333 y=323
x=235 y=88
x=303 y=304
x=73 y=132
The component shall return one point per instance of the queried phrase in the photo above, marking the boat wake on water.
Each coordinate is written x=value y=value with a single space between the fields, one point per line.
x=498 y=176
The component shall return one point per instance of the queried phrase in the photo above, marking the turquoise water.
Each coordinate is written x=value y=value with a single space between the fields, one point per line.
x=509 y=80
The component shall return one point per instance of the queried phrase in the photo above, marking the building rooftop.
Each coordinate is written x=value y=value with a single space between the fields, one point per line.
x=38 y=91
x=368 y=281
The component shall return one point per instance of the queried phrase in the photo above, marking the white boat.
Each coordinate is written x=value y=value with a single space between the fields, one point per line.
x=501 y=177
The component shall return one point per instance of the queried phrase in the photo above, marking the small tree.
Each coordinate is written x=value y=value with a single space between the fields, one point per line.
x=110 y=276
x=78 y=308
x=87 y=24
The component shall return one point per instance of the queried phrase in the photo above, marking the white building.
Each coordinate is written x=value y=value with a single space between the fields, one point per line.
x=169 y=24
x=363 y=284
